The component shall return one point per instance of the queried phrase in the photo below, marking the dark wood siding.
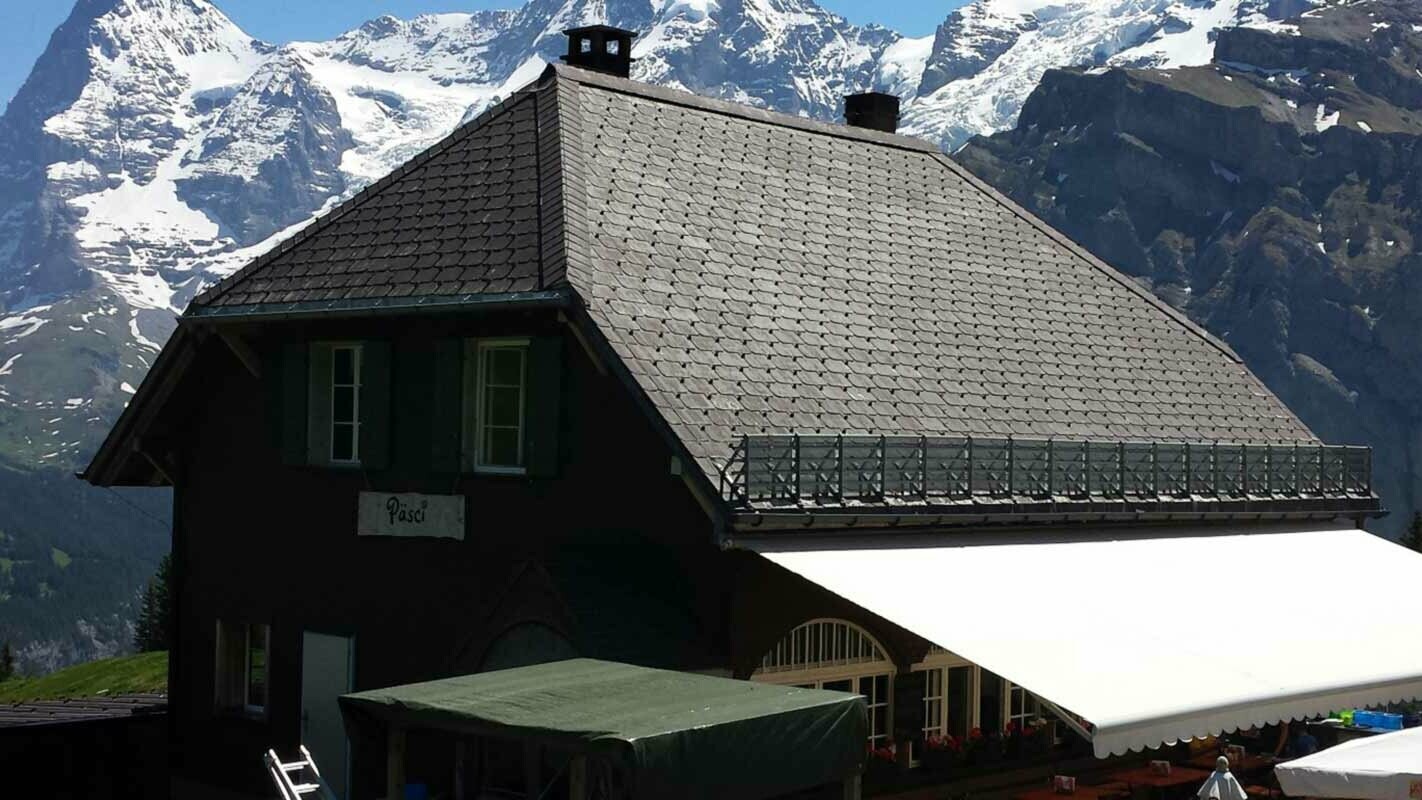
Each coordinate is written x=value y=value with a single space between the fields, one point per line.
x=612 y=551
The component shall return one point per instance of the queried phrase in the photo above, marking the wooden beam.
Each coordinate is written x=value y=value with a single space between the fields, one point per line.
x=163 y=466
x=851 y=788
x=395 y=763
x=242 y=351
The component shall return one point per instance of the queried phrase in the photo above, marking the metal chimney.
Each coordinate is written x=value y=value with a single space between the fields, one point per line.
x=875 y=110
x=601 y=48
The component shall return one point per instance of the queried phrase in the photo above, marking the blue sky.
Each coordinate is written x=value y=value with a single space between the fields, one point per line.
x=25 y=25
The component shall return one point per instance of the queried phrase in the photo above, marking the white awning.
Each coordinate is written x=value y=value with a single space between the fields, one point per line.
x=1152 y=636
x=1383 y=767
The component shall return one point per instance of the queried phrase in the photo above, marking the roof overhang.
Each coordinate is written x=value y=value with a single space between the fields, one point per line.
x=376 y=306
x=1151 y=636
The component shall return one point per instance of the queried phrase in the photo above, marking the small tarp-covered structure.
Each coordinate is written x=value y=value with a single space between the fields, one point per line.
x=662 y=733
x=1383 y=767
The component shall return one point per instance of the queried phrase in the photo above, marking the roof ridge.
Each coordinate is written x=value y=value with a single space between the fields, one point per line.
x=320 y=222
x=572 y=165
x=683 y=98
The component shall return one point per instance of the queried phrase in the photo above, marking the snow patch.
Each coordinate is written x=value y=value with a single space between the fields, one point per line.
x=127 y=387
x=901 y=65
x=1322 y=120
x=9 y=366
x=1365 y=127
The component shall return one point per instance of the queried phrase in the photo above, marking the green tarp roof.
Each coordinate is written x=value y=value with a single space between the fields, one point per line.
x=674 y=734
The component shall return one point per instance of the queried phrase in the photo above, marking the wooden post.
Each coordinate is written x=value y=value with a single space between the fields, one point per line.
x=395 y=763
x=578 y=778
x=459 y=769
x=851 y=788
x=532 y=771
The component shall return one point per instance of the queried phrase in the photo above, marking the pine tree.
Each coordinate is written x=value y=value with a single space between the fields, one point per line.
x=1413 y=537
x=7 y=662
x=153 y=630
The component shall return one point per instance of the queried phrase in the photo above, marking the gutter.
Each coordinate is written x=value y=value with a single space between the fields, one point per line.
x=379 y=306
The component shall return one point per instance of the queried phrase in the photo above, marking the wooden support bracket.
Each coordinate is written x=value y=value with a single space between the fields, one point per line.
x=242 y=351
x=597 y=361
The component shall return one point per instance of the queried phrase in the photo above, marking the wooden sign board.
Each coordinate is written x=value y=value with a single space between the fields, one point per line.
x=439 y=516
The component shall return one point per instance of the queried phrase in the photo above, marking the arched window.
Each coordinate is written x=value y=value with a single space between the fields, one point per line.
x=840 y=656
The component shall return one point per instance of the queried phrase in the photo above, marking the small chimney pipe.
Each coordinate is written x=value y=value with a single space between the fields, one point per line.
x=874 y=110
x=600 y=48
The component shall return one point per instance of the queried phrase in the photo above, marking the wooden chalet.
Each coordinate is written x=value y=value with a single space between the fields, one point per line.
x=619 y=372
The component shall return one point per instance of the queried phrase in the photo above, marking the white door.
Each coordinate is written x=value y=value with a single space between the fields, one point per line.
x=327 y=672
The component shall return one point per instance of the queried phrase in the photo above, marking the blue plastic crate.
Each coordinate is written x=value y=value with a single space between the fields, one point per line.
x=1378 y=719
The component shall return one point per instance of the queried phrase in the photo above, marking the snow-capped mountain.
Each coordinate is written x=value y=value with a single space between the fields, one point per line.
x=988 y=56
x=156 y=147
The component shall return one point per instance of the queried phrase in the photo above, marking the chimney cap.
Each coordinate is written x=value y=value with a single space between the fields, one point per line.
x=600 y=29
x=875 y=110
x=601 y=48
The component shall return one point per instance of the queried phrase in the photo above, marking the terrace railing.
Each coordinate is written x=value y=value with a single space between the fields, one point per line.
x=817 y=470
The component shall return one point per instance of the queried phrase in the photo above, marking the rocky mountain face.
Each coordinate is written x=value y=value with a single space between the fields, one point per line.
x=1274 y=194
x=156 y=147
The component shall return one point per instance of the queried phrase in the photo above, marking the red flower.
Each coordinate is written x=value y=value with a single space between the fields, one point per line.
x=975 y=734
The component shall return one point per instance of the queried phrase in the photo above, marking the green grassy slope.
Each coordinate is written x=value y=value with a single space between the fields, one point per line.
x=145 y=672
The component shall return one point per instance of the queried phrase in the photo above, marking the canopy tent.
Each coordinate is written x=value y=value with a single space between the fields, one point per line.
x=1383 y=767
x=1150 y=636
x=668 y=734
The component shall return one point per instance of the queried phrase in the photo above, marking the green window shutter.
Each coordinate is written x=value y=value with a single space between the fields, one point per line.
x=318 y=405
x=375 y=372
x=541 y=400
x=447 y=407
x=287 y=380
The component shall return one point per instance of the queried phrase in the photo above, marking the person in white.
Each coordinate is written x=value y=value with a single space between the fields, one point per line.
x=1221 y=785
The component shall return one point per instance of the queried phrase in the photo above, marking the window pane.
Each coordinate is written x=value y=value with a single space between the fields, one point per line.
x=343 y=404
x=881 y=688
x=845 y=685
x=503 y=407
x=501 y=447
x=257 y=666
x=343 y=365
x=960 y=702
x=342 y=442
x=990 y=705
x=505 y=366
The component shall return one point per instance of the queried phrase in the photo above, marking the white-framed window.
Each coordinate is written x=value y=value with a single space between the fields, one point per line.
x=345 y=403
x=496 y=377
x=840 y=656
x=242 y=661
x=935 y=701
x=1022 y=706
x=950 y=694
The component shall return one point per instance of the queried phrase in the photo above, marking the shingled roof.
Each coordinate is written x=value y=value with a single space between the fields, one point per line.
x=761 y=273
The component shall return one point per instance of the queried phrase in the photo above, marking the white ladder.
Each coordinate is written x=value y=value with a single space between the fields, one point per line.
x=282 y=776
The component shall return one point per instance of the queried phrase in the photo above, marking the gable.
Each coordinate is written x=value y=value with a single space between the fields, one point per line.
x=460 y=219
